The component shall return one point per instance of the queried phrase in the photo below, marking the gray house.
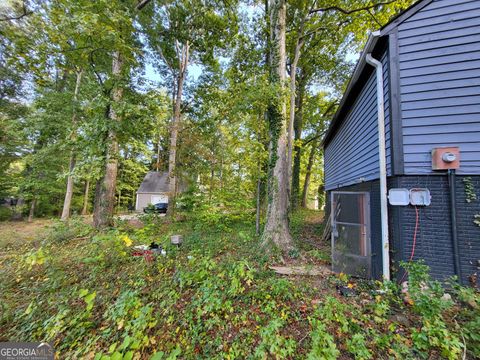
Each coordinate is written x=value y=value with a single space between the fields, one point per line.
x=402 y=154
x=153 y=190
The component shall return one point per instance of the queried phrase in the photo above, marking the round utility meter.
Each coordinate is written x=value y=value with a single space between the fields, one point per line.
x=449 y=157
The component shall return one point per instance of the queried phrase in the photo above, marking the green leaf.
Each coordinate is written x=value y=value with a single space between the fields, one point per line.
x=89 y=300
x=135 y=345
x=125 y=343
x=112 y=347
x=29 y=309
x=175 y=353
x=157 y=356
x=116 y=356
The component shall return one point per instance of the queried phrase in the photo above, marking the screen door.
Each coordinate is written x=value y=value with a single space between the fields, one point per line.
x=351 y=253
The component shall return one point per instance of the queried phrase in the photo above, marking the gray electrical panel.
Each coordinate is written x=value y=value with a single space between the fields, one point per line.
x=403 y=197
x=420 y=197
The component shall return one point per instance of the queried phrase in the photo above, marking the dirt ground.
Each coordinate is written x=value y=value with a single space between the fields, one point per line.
x=14 y=234
x=312 y=230
x=18 y=233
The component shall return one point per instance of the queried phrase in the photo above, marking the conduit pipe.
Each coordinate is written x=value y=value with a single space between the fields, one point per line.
x=383 y=166
x=453 y=219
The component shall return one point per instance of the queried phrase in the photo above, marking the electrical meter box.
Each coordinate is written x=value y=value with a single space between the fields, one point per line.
x=420 y=197
x=445 y=158
x=398 y=197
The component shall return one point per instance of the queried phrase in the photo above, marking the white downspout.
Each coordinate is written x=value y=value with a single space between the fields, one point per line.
x=383 y=167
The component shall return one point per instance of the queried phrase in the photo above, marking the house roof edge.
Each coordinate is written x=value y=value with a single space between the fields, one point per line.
x=370 y=45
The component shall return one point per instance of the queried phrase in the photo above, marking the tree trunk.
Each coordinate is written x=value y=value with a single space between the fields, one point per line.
x=221 y=171
x=119 y=203
x=172 y=156
x=85 y=198
x=258 y=199
x=321 y=196
x=69 y=193
x=260 y=182
x=276 y=230
x=210 y=188
x=158 y=152
x=308 y=174
x=293 y=95
x=105 y=194
x=298 y=127
x=32 y=209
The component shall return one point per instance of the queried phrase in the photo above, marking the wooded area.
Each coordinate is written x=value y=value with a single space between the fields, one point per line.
x=96 y=94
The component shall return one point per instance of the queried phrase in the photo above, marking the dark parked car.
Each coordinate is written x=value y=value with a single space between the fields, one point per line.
x=160 y=208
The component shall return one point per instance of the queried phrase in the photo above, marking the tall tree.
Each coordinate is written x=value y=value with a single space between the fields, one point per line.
x=183 y=53
x=320 y=37
x=122 y=58
x=181 y=33
x=105 y=192
x=12 y=117
x=276 y=229
x=69 y=193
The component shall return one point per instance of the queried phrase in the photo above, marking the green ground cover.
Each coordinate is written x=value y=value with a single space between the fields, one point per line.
x=215 y=297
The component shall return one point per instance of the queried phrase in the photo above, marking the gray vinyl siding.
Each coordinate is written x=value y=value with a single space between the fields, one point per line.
x=439 y=52
x=352 y=155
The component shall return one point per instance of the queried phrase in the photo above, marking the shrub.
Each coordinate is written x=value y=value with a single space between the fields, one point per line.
x=62 y=231
x=323 y=344
x=131 y=319
x=427 y=302
x=273 y=343
x=109 y=249
x=469 y=316
x=5 y=213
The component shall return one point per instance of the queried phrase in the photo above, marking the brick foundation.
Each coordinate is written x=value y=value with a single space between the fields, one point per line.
x=434 y=233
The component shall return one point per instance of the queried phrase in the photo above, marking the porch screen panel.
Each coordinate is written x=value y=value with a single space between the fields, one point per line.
x=351 y=233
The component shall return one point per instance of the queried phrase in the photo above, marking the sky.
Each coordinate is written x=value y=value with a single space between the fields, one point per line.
x=152 y=74
x=195 y=70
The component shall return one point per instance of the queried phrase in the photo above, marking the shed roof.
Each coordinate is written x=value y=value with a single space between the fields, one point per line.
x=154 y=182
x=354 y=85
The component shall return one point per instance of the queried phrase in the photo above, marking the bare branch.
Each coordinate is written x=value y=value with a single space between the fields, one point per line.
x=24 y=13
x=160 y=52
x=187 y=50
x=374 y=18
x=142 y=4
x=329 y=108
x=351 y=11
x=180 y=50
x=314 y=138
x=97 y=75
x=318 y=135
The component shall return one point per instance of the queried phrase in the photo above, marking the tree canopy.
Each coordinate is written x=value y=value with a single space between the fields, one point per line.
x=95 y=94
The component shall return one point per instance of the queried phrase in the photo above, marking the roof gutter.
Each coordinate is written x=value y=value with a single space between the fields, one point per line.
x=382 y=164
